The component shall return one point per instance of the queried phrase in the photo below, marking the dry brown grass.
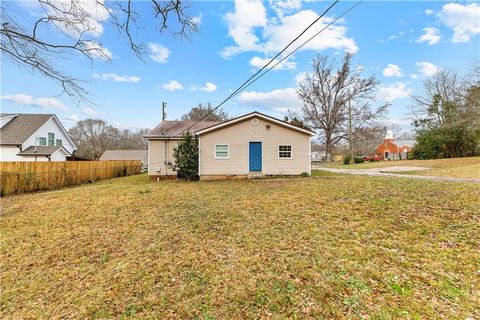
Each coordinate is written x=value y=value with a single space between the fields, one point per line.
x=338 y=247
x=456 y=167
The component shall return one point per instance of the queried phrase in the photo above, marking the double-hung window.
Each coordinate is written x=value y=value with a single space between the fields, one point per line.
x=285 y=152
x=51 y=139
x=42 y=141
x=221 y=151
x=58 y=142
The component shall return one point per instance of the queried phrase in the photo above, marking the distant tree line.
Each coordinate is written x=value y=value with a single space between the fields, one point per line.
x=94 y=136
x=447 y=121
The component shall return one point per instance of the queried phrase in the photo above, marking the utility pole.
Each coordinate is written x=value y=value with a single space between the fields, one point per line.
x=350 y=133
x=164 y=113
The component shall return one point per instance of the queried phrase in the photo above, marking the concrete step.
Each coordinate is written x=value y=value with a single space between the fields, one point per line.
x=255 y=175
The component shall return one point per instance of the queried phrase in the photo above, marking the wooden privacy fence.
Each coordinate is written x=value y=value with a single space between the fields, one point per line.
x=18 y=177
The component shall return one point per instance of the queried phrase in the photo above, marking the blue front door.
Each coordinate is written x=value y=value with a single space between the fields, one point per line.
x=255 y=159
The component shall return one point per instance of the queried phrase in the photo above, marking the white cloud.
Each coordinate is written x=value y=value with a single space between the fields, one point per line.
x=429 y=12
x=285 y=6
x=280 y=100
x=172 y=85
x=208 y=87
x=393 y=92
x=93 y=15
x=258 y=62
x=73 y=118
x=300 y=77
x=158 y=53
x=197 y=20
x=431 y=36
x=278 y=35
x=392 y=70
x=463 y=19
x=413 y=76
x=249 y=21
x=97 y=51
x=116 y=78
x=89 y=111
x=427 y=68
x=248 y=15
x=25 y=99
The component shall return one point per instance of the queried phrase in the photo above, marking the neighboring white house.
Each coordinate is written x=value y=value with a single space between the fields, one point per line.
x=34 y=137
x=254 y=144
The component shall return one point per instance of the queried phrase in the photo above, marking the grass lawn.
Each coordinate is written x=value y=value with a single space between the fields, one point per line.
x=457 y=167
x=332 y=247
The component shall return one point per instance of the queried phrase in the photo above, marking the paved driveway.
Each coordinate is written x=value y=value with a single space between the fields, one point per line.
x=387 y=172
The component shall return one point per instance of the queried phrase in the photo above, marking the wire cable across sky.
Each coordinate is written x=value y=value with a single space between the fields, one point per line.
x=257 y=75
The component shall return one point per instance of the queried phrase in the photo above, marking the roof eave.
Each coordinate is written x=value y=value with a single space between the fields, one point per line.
x=252 y=114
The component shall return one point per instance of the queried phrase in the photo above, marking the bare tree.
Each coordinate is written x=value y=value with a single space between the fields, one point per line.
x=79 y=23
x=440 y=91
x=205 y=110
x=326 y=94
x=93 y=137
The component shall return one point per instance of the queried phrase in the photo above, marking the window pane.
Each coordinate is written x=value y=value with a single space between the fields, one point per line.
x=285 y=151
x=221 y=151
x=43 y=141
x=51 y=139
x=59 y=142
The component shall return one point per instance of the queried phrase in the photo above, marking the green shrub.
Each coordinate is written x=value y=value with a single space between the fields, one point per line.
x=186 y=158
x=358 y=160
x=346 y=160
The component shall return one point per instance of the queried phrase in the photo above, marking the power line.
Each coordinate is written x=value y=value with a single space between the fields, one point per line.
x=300 y=46
x=246 y=83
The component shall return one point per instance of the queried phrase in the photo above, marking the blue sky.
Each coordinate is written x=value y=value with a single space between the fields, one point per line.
x=402 y=43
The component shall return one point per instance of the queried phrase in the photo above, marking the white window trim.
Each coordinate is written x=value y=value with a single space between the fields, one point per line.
x=291 y=152
x=215 y=151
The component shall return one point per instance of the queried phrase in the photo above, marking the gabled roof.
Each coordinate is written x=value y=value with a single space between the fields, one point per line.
x=22 y=127
x=252 y=115
x=42 y=151
x=124 y=155
x=175 y=129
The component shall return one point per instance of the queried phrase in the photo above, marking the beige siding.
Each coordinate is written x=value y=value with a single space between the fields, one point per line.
x=156 y=156
x=238 y=137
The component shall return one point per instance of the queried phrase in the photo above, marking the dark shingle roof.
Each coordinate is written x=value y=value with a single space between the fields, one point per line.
x=175 y=129
x=124 y=155
x=20 y=128
x=41 y=151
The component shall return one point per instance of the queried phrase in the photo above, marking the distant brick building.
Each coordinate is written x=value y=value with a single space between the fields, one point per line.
x=391 y=150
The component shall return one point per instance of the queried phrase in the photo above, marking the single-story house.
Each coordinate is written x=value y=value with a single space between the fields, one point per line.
x=141 y=155
x=390 y=149
x=251 y=145
x=34 y=137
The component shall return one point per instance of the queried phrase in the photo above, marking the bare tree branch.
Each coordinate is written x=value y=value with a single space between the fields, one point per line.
x=79 y=24
x=326 y=93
